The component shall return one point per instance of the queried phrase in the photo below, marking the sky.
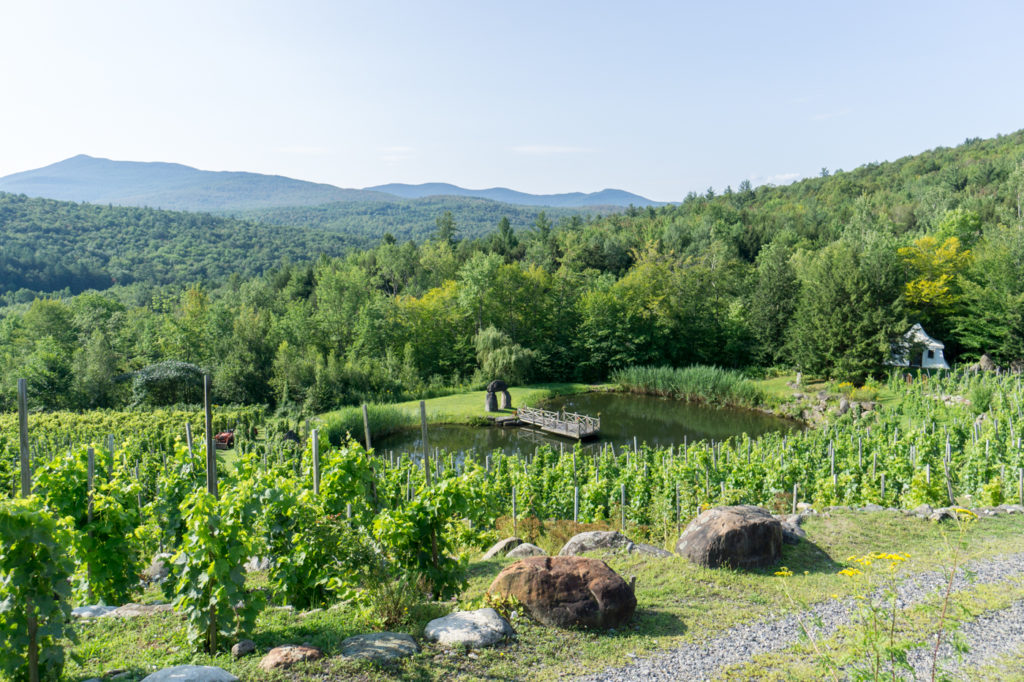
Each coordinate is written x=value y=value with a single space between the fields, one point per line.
x=657 y=98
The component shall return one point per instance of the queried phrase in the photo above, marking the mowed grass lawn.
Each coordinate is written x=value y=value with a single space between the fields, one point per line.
x=678 y=602
x=468 y=407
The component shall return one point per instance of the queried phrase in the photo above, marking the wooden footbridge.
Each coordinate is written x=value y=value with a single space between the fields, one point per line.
x=568 y=424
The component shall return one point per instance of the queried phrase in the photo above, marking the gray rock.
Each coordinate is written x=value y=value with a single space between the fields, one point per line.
x=595 y=539
x=191 y=673
x=94 y=611
x=158 y=568
x=872 y=507
x=286 y=656
x=136 y=610
x=502 y=547
x=923 y=510
x=483 y=627
x=379 y=646
x=742 y=536
x=943 y=514
x=792 y=533
x=649 y=550
x=844 y=405
x=526 y=549
x=805 y=507
x=256 y=563
x=243 y=648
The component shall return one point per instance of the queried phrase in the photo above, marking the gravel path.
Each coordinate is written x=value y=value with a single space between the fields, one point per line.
x=742 y=642
x=989 y=637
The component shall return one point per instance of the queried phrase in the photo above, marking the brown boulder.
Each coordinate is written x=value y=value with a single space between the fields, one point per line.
x=288 y=655
x=568 y=591
x=743 y=536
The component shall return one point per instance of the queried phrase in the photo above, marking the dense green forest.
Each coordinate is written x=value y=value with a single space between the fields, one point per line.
x=48 y=246
x=820 y=275
x=408 y=219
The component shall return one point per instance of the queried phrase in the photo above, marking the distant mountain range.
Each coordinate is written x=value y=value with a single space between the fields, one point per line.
x=606 y=197
x=174 y=186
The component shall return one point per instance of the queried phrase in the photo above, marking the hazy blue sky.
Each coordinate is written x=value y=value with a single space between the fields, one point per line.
x=659 y=98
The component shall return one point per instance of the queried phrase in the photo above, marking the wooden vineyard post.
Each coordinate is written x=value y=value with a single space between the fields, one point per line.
x=138 y=495
x=89 y=482
x=622 y=507
x=1020 y=486
x=316 y=462
x=928 y=474
x=211 y=449
x=883 y=488
x=366 y=427
x=426 y=450
x=576 y=504
x=515 y=521
x=26 y=464
x=677 y=510
x=795 y=489
x=188 y=440
x=90 y=485
x=945 y=466
x=860 y=454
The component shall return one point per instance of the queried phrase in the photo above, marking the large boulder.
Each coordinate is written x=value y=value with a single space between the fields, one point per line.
x=526 y=549
x=483 y=627
x=595 y=539
x=568 y=591
x=743 y=536
x=381 y=647
x=191 y=673
x=497 y=386
x=502 y=547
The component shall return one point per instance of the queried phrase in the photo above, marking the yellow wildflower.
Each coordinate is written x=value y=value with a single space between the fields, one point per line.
x=784 y=572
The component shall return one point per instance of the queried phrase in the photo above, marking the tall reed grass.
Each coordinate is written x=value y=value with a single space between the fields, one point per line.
x=384 y=420
x=698 y=383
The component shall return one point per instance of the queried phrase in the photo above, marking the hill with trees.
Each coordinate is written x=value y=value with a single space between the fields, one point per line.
x=48 y=246
x=821 y=275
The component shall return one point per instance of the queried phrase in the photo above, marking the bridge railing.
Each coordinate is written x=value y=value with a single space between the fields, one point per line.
x=569 y=422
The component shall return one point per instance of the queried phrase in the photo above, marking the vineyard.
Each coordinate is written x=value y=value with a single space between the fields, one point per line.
x=385 y=530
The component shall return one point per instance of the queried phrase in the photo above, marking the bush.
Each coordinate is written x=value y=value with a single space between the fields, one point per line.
x=35 y=612
x=210 y=573
x=168 y=383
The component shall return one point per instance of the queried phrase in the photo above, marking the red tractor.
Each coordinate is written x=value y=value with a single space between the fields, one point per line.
x=224 y=440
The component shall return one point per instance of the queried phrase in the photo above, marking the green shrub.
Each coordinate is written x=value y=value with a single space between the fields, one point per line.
x=921 y=491
x=210 y=573
x=35 y=612
x=992 y=493
x=424 y=536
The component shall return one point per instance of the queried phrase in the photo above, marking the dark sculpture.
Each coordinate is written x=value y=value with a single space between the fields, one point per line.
x=496 y=386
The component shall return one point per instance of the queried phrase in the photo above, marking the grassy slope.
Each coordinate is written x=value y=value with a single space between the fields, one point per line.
x=677 y=602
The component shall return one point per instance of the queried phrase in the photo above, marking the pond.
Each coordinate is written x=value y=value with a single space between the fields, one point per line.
x=655 y=421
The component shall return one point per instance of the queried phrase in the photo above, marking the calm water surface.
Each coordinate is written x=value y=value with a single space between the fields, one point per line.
x=656 y=421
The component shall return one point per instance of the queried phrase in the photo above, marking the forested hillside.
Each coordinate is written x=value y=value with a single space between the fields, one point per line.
x=48 y=246
x=820 y=275
x=404 y=220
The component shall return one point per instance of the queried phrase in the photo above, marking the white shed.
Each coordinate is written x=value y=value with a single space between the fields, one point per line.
x=917 y=349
